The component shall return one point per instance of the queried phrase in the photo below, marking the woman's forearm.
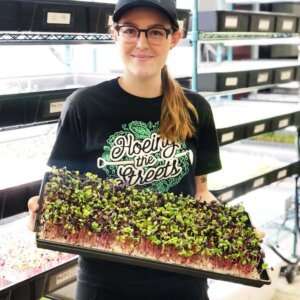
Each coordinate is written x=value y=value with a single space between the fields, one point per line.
x=202 y=193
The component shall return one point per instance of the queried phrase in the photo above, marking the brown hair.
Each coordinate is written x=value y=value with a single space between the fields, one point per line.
x=176 y=122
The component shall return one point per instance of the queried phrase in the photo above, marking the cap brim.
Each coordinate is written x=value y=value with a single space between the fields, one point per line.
x=117 y=15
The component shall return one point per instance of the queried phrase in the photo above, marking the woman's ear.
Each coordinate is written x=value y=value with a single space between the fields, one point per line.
x=175 y=38
x=113 y=33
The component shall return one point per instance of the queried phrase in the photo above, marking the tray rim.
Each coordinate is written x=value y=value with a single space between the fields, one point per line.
x=151 y=263
x=138 y=261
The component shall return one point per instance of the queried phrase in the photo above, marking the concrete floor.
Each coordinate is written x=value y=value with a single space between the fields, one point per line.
x=285 y=291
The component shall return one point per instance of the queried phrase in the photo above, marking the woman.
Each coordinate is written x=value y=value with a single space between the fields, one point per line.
x=143 y=128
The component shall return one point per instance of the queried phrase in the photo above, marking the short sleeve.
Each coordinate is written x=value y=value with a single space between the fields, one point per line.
x=68 y=147
x=207 y=153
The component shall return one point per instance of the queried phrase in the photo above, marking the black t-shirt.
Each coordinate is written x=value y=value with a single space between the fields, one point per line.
x=107 y=131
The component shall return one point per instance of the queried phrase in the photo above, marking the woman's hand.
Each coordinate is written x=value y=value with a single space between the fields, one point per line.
x=33 y=207
x=259 y=234
x=205 y=196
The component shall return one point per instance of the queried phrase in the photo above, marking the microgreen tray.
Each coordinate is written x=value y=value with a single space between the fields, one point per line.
x=141 y=261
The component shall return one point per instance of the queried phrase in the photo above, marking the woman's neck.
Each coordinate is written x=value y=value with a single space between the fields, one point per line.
x=140 y=87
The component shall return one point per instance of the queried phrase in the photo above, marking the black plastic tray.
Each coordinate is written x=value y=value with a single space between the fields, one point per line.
x=260 y=77
x=284 y=75
x=23 y=107
x=34 y=285
x=239 y=131
x=262 y=22
x=153 y=264
x=143 y=262
x=221 y=20
x=298 y=68
x=286 y=23
x=78 y=16
x=230 y=192
x=222 y=81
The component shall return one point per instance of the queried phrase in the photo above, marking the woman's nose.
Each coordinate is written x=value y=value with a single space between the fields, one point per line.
x=142 y=41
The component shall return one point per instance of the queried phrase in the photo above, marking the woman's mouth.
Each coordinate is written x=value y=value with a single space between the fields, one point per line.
x=142 y=57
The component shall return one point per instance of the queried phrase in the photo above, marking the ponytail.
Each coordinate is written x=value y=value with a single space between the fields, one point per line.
x=176 y=122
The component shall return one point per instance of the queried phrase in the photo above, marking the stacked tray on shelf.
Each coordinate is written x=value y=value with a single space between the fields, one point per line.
x=287 y=23
x=23 y=156
x=231 y=75
x=245 y=21
x=31 y=99
x=250 y=165
x=40 y=98
x=25 y=269
x=145 y=228
x=69 y=16
x=55 y=16
x=237 y=120
x=57 y=82
x=298 y=72
x=24 y=153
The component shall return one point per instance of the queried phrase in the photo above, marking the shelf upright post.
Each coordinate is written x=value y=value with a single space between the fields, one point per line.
x=195 y=37
x=298 y=56
x=297 y=199
x=219 y=55
x=296 y=229
x=95 y=60
x=255 y=49
x=220 y=6
x=68 y=58
x=229 y=52
x=297 y=196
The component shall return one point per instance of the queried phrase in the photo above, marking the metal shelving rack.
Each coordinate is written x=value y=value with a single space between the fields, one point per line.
x=223 y=39
x=23 y=38
x=63 y=272
x=247 y=39
x=30 y=38
x=53 y=278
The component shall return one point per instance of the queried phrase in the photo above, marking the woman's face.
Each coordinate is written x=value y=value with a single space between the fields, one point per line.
x=142 y=57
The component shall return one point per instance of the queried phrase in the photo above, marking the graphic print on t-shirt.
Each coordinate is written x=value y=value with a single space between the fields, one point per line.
x=138 y=156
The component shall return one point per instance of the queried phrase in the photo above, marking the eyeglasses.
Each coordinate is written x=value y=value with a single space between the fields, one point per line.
x=154 y=35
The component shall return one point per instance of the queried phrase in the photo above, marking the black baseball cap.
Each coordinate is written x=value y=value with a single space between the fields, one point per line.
x=168 y=7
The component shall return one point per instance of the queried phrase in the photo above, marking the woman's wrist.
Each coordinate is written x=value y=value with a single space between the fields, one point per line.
x=205 y=196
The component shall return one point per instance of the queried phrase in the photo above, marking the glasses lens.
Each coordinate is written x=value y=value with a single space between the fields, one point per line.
x=156 y=35
x=128 y=33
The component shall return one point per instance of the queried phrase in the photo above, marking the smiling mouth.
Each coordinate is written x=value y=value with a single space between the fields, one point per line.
x=141 y=57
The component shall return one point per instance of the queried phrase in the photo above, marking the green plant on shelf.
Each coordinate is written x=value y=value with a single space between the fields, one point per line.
x=244 y=35
x=276 y=137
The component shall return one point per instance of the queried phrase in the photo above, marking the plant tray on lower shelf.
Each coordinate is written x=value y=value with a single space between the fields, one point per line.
x=87 y=215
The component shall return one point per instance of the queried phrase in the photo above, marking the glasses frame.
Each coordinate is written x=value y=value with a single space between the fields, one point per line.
x=168 y=31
